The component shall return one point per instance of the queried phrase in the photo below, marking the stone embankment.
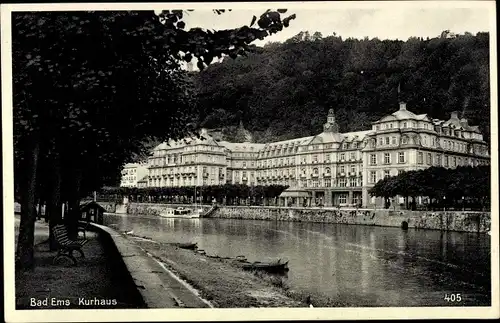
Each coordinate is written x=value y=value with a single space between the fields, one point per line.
x=467 y=221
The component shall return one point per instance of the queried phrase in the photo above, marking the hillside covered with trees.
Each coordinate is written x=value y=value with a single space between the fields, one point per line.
x=283 y=90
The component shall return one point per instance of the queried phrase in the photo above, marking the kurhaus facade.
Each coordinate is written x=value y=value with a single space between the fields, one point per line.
x=330 y=168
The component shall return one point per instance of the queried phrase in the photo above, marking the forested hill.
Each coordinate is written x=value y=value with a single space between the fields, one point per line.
x=283 y=90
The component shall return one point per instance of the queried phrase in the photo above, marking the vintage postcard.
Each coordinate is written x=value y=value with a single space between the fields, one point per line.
x=256 y=161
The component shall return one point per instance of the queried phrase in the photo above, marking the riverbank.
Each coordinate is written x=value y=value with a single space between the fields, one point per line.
x=461 y=221
x=217 y=281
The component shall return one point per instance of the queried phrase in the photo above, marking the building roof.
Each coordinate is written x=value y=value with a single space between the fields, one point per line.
x=131 y=165
x=143 y=179
x=289 y=143
x=356 y=135
x=327 y=137
x=90 y=204
x=404 y=114
x=295 y=192
x=242 y=146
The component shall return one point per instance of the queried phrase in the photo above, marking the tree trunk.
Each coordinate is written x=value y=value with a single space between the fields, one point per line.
x=26 y=238
x=74 y=214
x=54 y=205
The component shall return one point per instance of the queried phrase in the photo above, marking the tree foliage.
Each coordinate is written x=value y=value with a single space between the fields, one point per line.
x=285 y=89
x=93 y=89
x=439 y=184
x=228 y=193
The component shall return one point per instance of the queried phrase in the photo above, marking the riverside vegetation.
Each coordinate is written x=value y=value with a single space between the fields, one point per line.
x=92 y=89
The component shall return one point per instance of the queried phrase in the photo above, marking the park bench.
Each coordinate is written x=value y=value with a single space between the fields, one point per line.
x=67 y=246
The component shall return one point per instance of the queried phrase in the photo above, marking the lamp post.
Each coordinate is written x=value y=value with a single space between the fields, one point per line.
x=463 y=203
x=444 y=206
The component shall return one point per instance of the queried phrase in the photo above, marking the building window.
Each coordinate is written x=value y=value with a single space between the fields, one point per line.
x=342 y=157
x=404 y=124
x=353 y=156
x=355 y=145
x=387 y=140
x=400 y=171
x=429 y=159
x=315 y=158
x=394 y=142
x=401 y=157
x=342 y=198
x=315 y=183
x=387 y=158
x=446 y=161
x=373 y=176
x=327 y=170
x=373 y=159
x=327 y=158
x=352 y=182
x=342 y=182
x=353 y=168
x=380 y=141
x=438 y=160
x=328 y=183
x=315 y=171
x=387 y=173
x=341 y=169
x=420 y=157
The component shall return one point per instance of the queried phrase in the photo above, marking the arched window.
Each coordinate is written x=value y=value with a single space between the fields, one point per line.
x=315 y=171
x=327 y=170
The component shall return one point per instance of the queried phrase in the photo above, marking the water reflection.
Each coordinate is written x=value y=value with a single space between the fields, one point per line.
x=360 y=265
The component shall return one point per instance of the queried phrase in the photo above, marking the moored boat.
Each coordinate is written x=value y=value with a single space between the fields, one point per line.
x=270 y=267
x=189 y=245
x=182 y=213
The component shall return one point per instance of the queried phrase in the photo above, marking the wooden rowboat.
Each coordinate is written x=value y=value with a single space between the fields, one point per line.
x=270 y=267
x=190 y=245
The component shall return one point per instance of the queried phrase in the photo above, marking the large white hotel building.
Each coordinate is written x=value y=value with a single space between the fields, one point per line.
x=335 y=168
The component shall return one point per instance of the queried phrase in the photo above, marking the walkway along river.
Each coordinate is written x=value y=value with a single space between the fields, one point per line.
x=358 y=265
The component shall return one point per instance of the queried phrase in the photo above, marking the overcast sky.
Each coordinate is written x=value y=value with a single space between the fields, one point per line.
x=398 y=22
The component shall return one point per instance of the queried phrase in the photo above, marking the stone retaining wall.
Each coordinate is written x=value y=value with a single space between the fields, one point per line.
x=469 y=221
x=437 y=220
x=133 y=266
x=109 y=206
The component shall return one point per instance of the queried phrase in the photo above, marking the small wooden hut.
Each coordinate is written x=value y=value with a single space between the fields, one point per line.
x=92 y=212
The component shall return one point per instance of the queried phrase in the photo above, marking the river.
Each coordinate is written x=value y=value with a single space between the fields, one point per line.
x=354 y=264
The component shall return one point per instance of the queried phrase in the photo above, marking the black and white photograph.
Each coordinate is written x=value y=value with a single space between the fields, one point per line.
x=250 y=161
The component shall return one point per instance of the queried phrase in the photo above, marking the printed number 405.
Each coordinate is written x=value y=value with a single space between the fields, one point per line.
x=453 y=297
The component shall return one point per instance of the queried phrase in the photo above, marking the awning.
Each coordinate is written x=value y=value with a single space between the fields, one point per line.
x=295 y=192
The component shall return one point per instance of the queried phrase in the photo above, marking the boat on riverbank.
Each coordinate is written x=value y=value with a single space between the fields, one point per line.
x=270 y=267
x=189 y=245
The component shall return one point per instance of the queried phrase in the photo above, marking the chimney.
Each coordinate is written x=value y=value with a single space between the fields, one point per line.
x=454 y=115
x=402 y=105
